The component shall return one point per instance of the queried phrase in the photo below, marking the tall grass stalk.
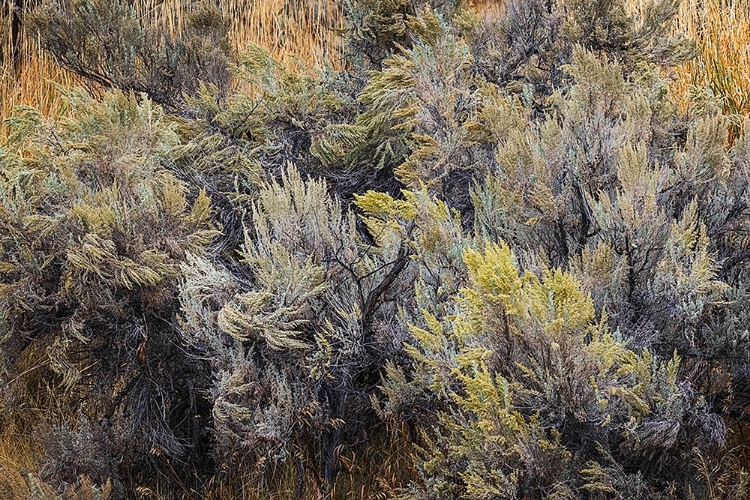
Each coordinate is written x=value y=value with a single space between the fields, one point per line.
x=309 y=31
x=33 y=79
x=722 y=30
x=305 y=30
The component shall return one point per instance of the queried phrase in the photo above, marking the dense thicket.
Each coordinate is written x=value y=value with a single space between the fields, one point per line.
x=494 y=248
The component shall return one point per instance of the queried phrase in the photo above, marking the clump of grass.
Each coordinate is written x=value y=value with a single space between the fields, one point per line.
x=305 y=30
x=487 y=6
x=377 y=469
x=33 y=80
x=17 y=455
x=310 y=31
x=721 y=29
x=25 y=401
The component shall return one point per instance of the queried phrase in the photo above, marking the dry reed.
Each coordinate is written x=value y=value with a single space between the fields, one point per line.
x=310 y=31
x=721 y=29
x=305 y=30
x=33 y=80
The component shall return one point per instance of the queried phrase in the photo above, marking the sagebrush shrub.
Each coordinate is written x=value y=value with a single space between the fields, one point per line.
x=498 y=246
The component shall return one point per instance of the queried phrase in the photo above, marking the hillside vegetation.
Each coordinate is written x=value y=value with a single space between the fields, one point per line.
x=433 y=251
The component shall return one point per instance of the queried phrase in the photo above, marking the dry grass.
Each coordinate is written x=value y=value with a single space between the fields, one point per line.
x=310 y=31
x=17 y=454
x=490 y=6
x=306 y=30
x=27 y=397
x=32 y=82
x=377 y=471
x=722 y=31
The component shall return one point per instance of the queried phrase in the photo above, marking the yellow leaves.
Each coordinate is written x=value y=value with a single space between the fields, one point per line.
x=488 y=397
x=336 y=142
x=201 y=211
x=557 y=301
x=120 y=124
x=515 y=342
x=688 y=269
x=598 y=479
x=429 y=341
x=100 y=214
x=568 y=308
x=601 y=268
x=633 y=209
x=412 y=171
x=386 y=87
x=379 y=204
x=433 y=338
x=92 y=254
x=425 y=25
x=672 y=369
x=704 y=158
x=385 y=216
x=172 y=200
x=291 y=280
x=43 y=225
x=493 y=272
x=595 y=77
x=611 y=356
x=133 y=234
x=502 y=116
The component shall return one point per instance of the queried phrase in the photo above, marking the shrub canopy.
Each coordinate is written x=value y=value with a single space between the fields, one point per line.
x=494 y=253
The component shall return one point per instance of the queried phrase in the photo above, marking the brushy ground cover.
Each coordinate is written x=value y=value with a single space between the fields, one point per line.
x=393 y=249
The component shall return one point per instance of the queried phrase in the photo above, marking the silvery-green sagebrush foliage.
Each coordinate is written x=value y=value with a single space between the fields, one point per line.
x=504 y=239
x=379 y=29
x=297 y=330
x=639 y=205
x=105 y=42
x=94 y=232
x=652 y=230
x=419 y=119
x=420 y=110
x=524 y=50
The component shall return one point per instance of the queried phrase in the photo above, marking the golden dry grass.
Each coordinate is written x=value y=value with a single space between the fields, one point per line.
x=20 y=446
x=17 y=454
x=375 y=472
x=306 y=30
x=721 y=29
x=32 y=82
